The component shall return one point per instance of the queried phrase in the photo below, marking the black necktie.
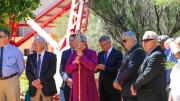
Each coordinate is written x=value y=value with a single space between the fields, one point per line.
x=1 y=61
x=38 y=65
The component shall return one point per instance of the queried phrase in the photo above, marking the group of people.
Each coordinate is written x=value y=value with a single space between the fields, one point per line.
x=139 y=74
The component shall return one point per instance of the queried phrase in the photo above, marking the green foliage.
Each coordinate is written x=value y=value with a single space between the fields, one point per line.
x=171 y=3
x=169 y=65
x=139 y=16
x=24 y=83
x=94 y=31
x=18 y=9
x=4 y=26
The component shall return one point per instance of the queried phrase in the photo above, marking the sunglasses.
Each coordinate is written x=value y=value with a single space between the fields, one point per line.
x=146 y=40
x=124 y=41
x=2 y=36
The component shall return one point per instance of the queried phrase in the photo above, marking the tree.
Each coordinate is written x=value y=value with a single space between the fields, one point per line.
x=16 y=10
x=138 y=15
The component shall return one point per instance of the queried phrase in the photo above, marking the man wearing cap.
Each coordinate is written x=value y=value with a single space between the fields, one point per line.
x=11 y=67
x=109 y=61
x=40 y=69
x=150 y=84
x=130 y=65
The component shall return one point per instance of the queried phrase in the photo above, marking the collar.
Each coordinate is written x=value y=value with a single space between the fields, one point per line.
x=132 y=48
x=152 y=50
x=6 y=46
x=110 y=49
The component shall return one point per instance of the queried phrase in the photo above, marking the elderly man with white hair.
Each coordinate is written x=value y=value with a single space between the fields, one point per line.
x=40 y=71
x=130 y=65
x=150 y=84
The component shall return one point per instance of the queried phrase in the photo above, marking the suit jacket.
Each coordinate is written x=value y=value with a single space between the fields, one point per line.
x=64 y=59
x=128 y=71
x=151 y=81
x=64 y=75
x=48 y=69
x=108 y=75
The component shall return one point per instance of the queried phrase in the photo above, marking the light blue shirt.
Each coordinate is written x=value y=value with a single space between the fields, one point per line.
x=13 y=61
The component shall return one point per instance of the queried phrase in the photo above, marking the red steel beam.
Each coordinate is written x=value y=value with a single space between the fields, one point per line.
x=58 y=14
x=61 y=1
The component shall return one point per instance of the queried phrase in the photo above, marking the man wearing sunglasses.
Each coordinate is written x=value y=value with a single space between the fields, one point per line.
x=150 y=84
x=11 y=67
x=130 y=65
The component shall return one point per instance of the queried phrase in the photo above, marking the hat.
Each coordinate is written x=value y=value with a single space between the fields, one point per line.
x=40 y=38
x=150 y=35
x=162 y=38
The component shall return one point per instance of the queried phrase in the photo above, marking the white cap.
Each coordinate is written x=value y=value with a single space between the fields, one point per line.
x=150 y=35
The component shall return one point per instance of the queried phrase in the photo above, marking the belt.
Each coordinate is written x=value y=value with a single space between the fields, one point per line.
x=7 y=77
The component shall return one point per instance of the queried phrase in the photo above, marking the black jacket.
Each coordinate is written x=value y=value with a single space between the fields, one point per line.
x=48 y=69
x=64 y=58
x=128 y=72
x=151 y=81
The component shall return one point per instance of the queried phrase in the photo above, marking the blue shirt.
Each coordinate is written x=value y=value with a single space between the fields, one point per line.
x=170 y=57
x=13 y=61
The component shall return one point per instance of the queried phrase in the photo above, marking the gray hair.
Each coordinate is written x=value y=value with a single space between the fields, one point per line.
x=40 y=39
x=104 y=38
x=82 y=37
x=130 y=34
x=162 y=38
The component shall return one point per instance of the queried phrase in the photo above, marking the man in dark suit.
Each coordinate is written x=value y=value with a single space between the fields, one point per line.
x=67 y=79
x=150 y=84
x=109 y=61
x=40 y=69
x=131 y=62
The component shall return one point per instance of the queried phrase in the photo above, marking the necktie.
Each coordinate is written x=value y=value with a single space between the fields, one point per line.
x=105 y=56
x=38 y=65
x=1 y=61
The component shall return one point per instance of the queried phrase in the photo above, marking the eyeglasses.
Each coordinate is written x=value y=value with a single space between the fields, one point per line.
x=146 y=40
x=2 y=36
x=124 y=41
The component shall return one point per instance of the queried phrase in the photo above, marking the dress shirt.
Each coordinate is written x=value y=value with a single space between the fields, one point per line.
x=42 y=55
x=13 y=61
x=108 y=52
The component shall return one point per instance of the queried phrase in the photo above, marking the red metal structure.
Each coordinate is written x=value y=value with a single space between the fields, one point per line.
x=44 y=20
x=78 y=19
